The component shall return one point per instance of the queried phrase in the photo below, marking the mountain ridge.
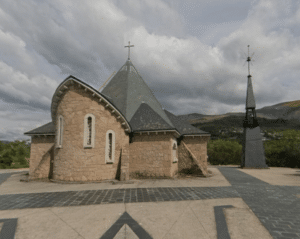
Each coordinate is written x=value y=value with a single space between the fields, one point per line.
x=285 y=110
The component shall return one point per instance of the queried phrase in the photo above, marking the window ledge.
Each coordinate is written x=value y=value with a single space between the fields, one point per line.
x=109 y=162
x=88 y=146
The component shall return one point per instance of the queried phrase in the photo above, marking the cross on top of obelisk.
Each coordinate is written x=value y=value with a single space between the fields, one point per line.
x=129 y=49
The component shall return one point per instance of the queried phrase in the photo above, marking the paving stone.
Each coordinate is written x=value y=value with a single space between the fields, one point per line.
x=275 y=206
x=88 y=197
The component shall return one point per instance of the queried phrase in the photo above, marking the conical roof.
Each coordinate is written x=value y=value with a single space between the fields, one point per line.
x=250 y=101
x=145 y=119
x=128 y=91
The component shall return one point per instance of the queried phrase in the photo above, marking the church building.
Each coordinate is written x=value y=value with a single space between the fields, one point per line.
x=117 y=133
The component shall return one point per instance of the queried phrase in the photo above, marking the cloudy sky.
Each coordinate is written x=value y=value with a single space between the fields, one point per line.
x=191 y=53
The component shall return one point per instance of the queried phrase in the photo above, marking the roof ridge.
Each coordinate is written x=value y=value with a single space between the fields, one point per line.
x=145 y=118
x=129 y=89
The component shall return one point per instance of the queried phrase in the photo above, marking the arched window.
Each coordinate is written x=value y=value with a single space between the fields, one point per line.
x=60 y=131
x=89 y=131
x=174 y=150
x=110 y=146
x=89 y=137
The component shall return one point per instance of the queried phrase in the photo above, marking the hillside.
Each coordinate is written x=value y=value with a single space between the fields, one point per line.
x=235 y=124
x=286 y=110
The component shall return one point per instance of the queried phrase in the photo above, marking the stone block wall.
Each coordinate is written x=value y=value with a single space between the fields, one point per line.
x=198 y=147
x=124 y=169
x=174 y=166
x=73 y=162
x=152 y=154
x=41 y=153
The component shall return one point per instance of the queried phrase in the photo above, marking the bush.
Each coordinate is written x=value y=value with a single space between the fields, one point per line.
x=224 y=152
x=285 y=151
x=14 y=154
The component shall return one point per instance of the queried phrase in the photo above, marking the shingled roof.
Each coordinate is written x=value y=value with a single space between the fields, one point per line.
x=146 y=119
x=128 y=91
x=46 y=129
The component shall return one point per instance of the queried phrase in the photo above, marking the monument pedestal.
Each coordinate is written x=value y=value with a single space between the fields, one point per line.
x=253 y=149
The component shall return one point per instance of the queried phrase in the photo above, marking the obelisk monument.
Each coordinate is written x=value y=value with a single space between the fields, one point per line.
x=253 y=150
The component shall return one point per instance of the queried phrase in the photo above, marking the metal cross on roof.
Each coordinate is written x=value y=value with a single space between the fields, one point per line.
x=129 y=49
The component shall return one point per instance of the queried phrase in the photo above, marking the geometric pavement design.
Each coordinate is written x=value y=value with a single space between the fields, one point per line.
x=277 y=207
x=9 y=228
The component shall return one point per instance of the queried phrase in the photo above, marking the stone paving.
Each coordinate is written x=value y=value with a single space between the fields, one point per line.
x=128 y=195
x=277 y=207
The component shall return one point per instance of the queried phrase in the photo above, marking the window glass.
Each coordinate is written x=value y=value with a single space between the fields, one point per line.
x=89 y=136
x=60 y=130
x=110 y=145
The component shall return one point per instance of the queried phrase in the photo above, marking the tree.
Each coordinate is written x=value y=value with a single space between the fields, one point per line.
x=224 y=152
x=284 y=150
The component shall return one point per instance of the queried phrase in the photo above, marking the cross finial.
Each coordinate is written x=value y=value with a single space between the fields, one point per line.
x=129 y=49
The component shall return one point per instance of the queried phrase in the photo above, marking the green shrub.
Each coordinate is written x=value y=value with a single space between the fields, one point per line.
x=284 y=151
x=14 y=154
x=224 y=152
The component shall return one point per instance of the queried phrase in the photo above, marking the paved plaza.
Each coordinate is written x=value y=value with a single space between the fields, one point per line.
x=233 y=203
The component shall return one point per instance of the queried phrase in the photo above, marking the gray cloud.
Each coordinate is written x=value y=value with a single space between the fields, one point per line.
x=190 y=53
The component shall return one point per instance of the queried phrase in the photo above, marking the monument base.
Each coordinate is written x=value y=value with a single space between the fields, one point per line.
x=253 y=149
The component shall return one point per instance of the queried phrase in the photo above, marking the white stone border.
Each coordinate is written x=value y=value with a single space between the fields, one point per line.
x=107 y=160
x=85 y=133
x=60 y=130
x=70 y=81
x=174 y=152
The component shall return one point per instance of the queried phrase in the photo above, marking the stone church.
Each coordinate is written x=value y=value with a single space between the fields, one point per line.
x=117 y=133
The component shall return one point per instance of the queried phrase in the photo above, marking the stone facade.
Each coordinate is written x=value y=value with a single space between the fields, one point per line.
x=71 y=158
x=190 y=147
x=152 y=155
x=41 y=154
x=73 y=161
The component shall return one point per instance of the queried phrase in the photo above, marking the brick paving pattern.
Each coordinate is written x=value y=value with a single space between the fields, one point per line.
x=277 y=207
x=128 y=195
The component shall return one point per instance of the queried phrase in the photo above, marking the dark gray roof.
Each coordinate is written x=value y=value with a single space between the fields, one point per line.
x=145 y=118
x=250 y=101
x=183 y=127
x=128 y=91
x=48 y=128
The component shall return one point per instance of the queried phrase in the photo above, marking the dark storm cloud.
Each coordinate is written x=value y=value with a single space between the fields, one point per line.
x=190 y=53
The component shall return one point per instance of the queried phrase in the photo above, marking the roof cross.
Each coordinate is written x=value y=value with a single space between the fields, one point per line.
x=129 y=49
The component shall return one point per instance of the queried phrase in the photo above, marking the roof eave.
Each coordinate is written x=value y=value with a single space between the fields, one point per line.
x=157 y=131
x=32 y=134
x=63 y=86
x=197 y=134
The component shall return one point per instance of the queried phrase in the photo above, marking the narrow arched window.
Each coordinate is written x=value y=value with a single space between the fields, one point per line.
x=89 y=131
x=174 y=151
x=89 y=136
x=60 y=131
x=110 y=146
